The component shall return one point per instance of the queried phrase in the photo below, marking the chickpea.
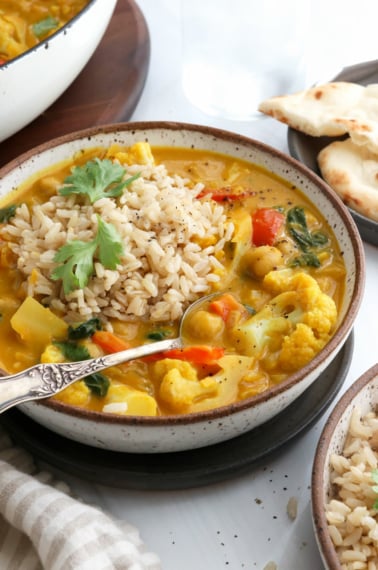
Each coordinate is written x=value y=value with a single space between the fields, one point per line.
x=260 y=260
x=287 y=247
x=204 y=325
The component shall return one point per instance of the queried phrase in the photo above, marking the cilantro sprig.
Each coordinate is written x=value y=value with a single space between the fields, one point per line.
x=76 y=257
x=97 y=179
x=374 y=476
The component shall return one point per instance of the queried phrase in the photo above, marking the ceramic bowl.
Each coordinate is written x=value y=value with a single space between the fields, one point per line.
x=31 y=82
x=362 y=394
x=175 y=433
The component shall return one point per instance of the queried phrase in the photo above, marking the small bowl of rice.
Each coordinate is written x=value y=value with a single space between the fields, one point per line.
x=107 y=236
x=345 y=480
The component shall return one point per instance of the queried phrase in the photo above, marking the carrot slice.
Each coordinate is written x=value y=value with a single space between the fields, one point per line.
x=109 y=341
x=197 y=354
x=224 y=305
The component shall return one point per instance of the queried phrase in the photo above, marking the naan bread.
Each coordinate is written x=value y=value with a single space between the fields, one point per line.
x=331 y=109
x=352 y=171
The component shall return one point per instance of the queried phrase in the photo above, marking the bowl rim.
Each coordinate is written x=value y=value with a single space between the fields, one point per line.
x=236 y=139
x=319 y=467
x=44 y=44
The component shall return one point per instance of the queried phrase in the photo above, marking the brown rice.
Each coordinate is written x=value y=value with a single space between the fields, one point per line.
x=170 y=238
x=352 y=520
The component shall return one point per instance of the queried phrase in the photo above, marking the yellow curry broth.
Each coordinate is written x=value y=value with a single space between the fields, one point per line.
x=179 y=386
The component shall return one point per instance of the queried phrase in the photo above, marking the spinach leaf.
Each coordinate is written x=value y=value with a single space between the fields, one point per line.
x=84 y=330
x=72 y=351
x=298 y=229
x=159 y=334
x=97 y=383
x=307 y=259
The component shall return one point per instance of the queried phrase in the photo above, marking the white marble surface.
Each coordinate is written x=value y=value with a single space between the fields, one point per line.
x=240 y=523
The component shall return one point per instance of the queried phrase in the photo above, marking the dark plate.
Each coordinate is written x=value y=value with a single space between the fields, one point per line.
x=184 y=469
x=306 y=148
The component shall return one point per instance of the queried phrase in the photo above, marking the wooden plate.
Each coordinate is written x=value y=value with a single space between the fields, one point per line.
x=107 y=90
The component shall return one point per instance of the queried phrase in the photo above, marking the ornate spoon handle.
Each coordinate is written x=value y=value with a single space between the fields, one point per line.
x=43 y=380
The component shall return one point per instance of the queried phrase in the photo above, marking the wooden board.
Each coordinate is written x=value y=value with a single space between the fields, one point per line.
x=107 y=90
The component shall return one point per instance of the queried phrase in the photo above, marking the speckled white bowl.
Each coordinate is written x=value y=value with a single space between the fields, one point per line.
x=31 y=82
x=362 y=394
x=165 y=434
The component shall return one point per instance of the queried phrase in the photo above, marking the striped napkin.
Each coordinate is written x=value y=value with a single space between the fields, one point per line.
x=43 y=527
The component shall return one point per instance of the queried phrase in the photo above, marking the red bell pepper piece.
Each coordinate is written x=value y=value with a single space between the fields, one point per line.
x=266 y=223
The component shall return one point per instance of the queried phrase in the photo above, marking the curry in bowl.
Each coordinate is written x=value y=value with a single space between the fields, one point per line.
x=23 y=25
x=106 y=250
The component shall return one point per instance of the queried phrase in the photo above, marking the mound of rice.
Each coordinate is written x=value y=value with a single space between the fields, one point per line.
x=170 y=241
x=352 y=520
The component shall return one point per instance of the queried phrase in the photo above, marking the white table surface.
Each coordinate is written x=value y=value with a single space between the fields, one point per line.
x=240 y=523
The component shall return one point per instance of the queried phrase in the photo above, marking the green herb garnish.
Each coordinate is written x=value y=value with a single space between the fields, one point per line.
x=97 y=179
x=43 y=27
x=72 y=351
x=7 y=213
x=77 y=257
x=84 y=330
x=374 y=476
x=159 y=334
x=308 y=259
x=297 y=226
x=97 y=383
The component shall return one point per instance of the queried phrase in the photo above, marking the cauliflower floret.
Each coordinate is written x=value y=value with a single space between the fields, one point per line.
x=184 y=391
x=180 y=385
x=77 y=394
x=52 y=354
x=293 y=326
x=138 y=153
x=124 y=400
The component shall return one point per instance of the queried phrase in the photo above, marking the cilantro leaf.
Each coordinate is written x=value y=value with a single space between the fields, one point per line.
x=77 y=264
x=109 y=244
x=97 y=179
x=77 y=257
x=45 y=26
x=374 y=476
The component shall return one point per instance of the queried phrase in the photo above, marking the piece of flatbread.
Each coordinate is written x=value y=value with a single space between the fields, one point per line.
x=352 y=171
x=331 y=109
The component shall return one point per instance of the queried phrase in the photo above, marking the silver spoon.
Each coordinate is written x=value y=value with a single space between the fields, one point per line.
x=44 y=380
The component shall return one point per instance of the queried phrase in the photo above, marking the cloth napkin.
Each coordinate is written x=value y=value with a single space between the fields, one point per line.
x=43 y=527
